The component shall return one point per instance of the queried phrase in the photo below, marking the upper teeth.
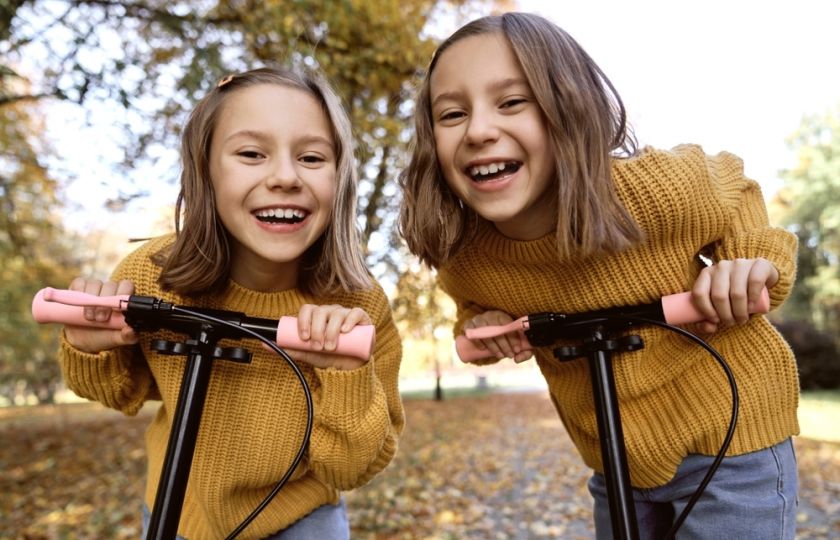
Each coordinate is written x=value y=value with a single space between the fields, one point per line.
x=489 y=168
x=285 y=213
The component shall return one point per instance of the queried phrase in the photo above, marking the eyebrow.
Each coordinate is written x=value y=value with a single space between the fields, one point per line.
x=259 y=135
x=501 y=84
x=247 y=133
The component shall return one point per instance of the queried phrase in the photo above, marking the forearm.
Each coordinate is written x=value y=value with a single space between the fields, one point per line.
x=355 y=433
x=118 y=378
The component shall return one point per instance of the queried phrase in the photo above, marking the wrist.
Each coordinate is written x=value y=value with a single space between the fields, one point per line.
x=347 y=363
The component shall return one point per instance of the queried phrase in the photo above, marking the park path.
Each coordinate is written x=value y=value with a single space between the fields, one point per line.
x=495 y=466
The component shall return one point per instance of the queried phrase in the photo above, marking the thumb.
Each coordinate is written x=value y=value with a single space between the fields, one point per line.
x=128 y=336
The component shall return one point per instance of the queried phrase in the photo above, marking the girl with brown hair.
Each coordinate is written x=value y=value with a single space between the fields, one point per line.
x=265 y=225
x=526 y=192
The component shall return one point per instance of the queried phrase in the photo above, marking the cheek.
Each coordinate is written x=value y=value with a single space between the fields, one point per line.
x=443 y=148
x=326 y=191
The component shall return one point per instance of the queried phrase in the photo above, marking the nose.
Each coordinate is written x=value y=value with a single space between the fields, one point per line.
x=481 y=128
x=283 y=175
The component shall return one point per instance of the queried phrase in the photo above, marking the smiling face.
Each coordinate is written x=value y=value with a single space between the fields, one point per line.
x=491 y=138
x=273 y=169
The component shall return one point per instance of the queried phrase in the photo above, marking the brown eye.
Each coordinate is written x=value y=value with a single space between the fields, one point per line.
x=513 y=102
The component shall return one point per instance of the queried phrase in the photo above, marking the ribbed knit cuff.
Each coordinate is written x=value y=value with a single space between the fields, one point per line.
x=345 y=391
x=105 y=377
x=777 y=246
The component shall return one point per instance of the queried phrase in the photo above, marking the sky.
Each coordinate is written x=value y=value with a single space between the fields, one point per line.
x=736 y=75
x=733 y=75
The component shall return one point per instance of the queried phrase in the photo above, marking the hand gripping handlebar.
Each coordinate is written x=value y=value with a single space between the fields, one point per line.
x=673 y=309
x=67 y=307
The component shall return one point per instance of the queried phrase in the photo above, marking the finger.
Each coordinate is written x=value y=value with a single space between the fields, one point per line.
x=707 y=327
x=523 y=356
x=318 y=327
x=109 y=288
x=335 y=320
x=304 y=321
x=91 y=286
x=78 y=284
x=497 y=318
x=701 y=297
x=772 y=273
x=491 y=346
x=355 y=317
x=128 y=336
x=762 y=274
x=719 y=292
x=738 y=289
x=519 y=342
x=125 y=286
x=506 y=346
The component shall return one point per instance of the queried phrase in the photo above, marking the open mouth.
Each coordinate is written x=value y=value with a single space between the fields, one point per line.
x=491 y=171
x=281 y=215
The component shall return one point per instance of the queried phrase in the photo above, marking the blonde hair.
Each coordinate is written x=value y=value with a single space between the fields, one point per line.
x=587 y=124
x=199 y=260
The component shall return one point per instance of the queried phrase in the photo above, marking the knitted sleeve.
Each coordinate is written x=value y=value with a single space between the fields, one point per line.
x=464 y=310
x=118 y=378
x=749 y=233
x=358 y=413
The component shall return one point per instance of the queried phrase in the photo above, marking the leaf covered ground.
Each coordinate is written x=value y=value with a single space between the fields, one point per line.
x=496 y=466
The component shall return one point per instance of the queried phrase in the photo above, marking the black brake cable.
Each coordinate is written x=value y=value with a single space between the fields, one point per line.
x=309 y=412
x=732 y=421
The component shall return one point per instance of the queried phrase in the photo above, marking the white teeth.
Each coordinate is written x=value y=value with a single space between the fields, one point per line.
x=490 y=168
x=281 y=213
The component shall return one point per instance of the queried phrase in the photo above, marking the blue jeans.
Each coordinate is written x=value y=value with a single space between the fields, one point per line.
x=327 y=522
x=752 y=496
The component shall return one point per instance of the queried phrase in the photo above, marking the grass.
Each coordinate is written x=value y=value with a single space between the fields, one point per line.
x=819 y=410
x=819 y=415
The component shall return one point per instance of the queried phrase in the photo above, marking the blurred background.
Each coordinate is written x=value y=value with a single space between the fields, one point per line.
x=93 y=94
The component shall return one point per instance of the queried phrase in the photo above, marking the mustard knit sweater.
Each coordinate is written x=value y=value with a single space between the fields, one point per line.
x=254 y=415
x=673 y=396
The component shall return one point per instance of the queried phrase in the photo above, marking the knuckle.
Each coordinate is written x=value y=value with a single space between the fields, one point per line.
x=719 y=298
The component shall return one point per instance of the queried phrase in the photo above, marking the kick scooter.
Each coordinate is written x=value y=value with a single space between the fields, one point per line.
x=205 y=328
x=594 y=331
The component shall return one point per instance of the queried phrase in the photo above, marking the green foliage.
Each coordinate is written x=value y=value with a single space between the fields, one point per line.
x=149 y=61
x=155 y=58
x=34 y=253
x=810 y=207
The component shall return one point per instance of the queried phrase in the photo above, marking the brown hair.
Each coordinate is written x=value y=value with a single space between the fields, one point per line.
x=587 y=124
x=199 y=260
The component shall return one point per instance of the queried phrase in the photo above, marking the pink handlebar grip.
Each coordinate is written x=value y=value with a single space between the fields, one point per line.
x=67 y=307
x=679 y=309
x=47 y=309
x=357 y=343
x=676 y=309
x=78 y=298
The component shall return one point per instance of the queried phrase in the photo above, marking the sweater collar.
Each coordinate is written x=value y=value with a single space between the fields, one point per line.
x=496 y=245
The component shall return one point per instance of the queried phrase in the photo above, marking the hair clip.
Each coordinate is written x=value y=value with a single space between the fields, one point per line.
x=224 y=80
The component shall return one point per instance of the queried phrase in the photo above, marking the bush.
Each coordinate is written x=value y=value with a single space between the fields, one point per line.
x=817 y=354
